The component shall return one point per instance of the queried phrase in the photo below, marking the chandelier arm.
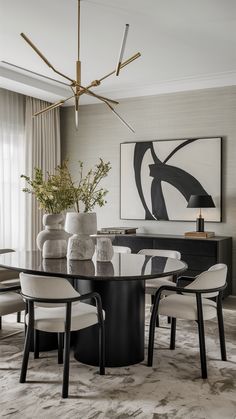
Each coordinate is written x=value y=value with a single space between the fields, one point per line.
x=134 y=57
x=122 y=49
x=102 y=98
x=120 y=117
x=53 y=106
x=29 y=42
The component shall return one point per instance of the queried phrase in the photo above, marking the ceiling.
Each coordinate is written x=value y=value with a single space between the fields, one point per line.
x=185 y=45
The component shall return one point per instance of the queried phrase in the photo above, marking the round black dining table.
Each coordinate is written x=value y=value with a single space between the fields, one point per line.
x=121 y=284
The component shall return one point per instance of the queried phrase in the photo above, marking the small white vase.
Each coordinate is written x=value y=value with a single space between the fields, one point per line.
x=52 y=241
x=105 y=250
x=81 y=225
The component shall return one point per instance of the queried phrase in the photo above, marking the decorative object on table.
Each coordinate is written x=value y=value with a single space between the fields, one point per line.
x=104 y=249
x=80 y=245
x=54 y=195
x=117 y=230
x=75 y=85
x=200 y=201
x=83 y=224
x=158 y=178
x=53 y=240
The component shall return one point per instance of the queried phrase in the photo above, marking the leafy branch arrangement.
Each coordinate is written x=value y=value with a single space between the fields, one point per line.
x=59 y=192
x=87 y=191
x=55 y=193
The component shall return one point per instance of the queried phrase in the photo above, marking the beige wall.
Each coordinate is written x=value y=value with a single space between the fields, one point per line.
x=202 y=113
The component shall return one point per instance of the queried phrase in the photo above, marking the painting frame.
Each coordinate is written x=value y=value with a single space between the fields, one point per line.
x=175 y=155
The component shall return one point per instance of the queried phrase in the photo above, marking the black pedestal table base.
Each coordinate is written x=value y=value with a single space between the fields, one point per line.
x=124 y=305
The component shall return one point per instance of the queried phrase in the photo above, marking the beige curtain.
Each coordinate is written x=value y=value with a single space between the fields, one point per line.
x=42 y=135
x=12 y=165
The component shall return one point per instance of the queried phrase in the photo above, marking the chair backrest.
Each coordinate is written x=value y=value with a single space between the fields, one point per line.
x=121 y=249
x=48 y=287
x=215 y=277
x=161 y=252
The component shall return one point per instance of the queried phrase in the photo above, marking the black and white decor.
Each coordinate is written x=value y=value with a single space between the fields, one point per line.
x=158 y=177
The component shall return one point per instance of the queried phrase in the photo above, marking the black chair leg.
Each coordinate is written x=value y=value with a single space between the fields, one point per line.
x=101 y=349
x=157 y=317
x=221 y=328
x=25 y=355
x=169 y=320
x=65 y=384
x=36 y=344
x=201 y=337
x=173 y=333
x=66 y=370
x=18 y=318
x=60 y=338
x=0 y=323
x=151 y=337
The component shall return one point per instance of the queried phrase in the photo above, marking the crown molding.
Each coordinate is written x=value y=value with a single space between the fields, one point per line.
x=173 y=86
x=31 y=86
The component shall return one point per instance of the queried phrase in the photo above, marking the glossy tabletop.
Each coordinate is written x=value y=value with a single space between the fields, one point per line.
x=122 y=266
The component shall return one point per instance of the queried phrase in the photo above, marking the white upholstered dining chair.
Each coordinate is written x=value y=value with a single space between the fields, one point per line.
x=152 y=285
x=193 y=302
x=68 y=314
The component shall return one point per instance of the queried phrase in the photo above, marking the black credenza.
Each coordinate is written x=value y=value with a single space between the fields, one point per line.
x=199 y=254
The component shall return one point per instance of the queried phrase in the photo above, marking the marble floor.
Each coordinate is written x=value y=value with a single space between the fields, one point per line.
x=173 y=388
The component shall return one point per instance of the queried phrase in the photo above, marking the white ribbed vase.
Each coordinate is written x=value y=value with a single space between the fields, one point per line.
x=81 y=225
x=52 y=241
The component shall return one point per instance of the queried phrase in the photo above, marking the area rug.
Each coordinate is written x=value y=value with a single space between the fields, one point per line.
x=173 y=388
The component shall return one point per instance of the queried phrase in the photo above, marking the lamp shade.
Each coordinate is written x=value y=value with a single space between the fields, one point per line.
x=200 y=201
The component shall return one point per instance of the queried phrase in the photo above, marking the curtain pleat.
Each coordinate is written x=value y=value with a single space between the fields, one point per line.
x=12 y=165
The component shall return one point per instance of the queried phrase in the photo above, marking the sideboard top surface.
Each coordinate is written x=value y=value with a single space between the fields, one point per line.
x=172 y=236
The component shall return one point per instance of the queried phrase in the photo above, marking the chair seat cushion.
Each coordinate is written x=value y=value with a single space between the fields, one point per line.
x=50 y=319
x=185 y=307
x=152 y=285
x=10 y=302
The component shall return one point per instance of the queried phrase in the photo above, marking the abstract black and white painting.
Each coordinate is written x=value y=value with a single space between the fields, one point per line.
x=158 y=177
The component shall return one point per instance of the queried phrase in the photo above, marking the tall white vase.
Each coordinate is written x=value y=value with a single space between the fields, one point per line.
x=52 y=241
x=81 y=225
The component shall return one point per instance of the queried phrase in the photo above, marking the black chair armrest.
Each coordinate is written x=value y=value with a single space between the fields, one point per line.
x=94 y=295
x=180 y=290
x=190 y=290
x=68 y=301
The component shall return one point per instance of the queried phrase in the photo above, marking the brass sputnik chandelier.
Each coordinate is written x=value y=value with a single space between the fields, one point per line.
x=75 y=85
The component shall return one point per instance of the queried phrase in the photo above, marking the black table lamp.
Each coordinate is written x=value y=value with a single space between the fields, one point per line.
x=200 y=201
